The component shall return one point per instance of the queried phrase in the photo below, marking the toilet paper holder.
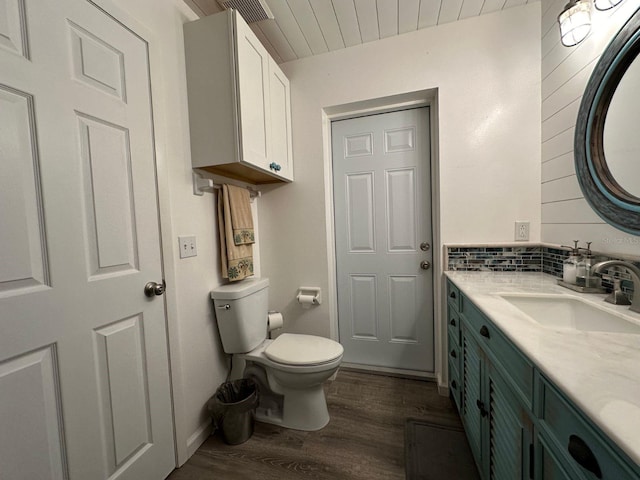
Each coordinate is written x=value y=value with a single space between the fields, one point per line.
x=309 y=296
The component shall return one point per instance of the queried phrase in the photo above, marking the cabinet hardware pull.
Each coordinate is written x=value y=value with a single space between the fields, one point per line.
x=531 y=461
x=453 y=353
x=484 y=331
x=452 y=322
x=480 y=406
x=452 y=295
x=454 y=385
x=582 y=454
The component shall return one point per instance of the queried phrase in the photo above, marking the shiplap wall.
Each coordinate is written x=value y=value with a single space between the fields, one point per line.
x=566 y=215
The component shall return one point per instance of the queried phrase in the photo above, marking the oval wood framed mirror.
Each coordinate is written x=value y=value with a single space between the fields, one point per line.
x=607 y=158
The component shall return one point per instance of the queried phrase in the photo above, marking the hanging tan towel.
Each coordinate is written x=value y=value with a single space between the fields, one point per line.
x=241 y=218
x=237 y=260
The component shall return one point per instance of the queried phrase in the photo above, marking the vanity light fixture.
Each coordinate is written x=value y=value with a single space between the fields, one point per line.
x=606 y=4
x=575 y=22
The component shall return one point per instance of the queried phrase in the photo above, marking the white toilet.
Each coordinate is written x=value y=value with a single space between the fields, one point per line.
x=289 y=370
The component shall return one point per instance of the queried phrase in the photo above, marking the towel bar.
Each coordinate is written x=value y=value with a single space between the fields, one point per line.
x=201 y=185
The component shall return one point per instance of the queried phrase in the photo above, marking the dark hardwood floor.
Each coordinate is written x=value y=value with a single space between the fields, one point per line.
x=364 y=439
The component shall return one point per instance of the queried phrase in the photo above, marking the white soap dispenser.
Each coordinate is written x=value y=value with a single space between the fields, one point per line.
x=570 y=264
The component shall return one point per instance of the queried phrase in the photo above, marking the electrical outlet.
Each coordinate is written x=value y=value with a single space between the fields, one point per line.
x=188 y=246
x=522 y=231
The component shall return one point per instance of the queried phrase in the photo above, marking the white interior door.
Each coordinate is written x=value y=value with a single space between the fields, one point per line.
x=382 y=199
x=84 y=383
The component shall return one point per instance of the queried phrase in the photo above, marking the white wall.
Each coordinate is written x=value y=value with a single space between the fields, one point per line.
x=487 y=72
x=197 y=360
x=566 y=215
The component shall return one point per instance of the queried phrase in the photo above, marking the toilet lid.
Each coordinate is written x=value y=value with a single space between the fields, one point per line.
x=296 y=349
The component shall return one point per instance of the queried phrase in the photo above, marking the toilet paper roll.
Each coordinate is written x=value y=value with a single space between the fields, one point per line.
x=306 y=300
x=274 y=320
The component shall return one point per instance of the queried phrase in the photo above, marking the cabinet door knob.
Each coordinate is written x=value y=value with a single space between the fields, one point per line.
x=453 y=354
x=454 y=384
x=582 y=454
x=452 y=322
x=452 y=295
x=484 y=331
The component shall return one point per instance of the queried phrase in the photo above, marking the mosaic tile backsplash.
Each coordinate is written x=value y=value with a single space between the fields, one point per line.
x=496 y=259
x=530 y=258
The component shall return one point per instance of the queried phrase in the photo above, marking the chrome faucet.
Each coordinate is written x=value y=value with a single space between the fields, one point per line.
x=635 y=278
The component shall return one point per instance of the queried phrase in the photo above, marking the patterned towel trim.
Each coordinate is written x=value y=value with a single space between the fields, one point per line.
x=244 y=236
x=240 y=268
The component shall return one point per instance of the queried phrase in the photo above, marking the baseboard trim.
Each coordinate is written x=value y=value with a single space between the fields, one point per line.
x=443 y=390
x=443 y=387
x=197 y=438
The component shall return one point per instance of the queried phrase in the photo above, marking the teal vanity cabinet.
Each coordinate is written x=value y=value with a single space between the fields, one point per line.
x=495 y=410
x=519 y=424
x=571 y=446
x=498 y=426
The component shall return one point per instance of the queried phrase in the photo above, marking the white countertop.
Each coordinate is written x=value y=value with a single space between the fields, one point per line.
x=599 y=371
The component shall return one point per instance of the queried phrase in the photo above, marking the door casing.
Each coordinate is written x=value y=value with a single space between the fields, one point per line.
x=382 y=105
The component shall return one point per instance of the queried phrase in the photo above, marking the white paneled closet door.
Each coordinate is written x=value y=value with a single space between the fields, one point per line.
x=84 y=377
x=382 y=200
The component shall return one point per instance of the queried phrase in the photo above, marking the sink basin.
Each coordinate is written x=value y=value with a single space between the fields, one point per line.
x=570 y=313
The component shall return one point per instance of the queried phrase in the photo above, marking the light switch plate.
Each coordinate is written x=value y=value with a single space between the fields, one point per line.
x=187 y=246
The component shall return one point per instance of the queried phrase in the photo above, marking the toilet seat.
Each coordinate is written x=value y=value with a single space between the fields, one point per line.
x=298 y=349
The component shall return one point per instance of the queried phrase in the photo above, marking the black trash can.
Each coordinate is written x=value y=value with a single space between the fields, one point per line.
x=233 y=410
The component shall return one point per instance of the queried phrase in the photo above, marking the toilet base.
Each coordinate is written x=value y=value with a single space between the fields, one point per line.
x=307 y=414
x=298 y=409
x=302 y=410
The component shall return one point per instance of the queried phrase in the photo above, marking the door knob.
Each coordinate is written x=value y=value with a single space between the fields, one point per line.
x=425 y=265
x=424 y=246
x=152 y=289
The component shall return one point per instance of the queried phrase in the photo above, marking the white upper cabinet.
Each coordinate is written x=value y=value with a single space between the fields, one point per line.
x=239 y=102
x=280 y=98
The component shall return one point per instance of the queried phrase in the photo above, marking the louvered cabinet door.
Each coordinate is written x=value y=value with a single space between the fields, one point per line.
x=473 y=409
x=510 y=433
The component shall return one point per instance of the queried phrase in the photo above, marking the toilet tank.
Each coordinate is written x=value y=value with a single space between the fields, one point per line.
x=241 y=312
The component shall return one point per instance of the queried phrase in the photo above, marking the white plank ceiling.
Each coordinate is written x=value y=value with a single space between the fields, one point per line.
x=302 y=28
